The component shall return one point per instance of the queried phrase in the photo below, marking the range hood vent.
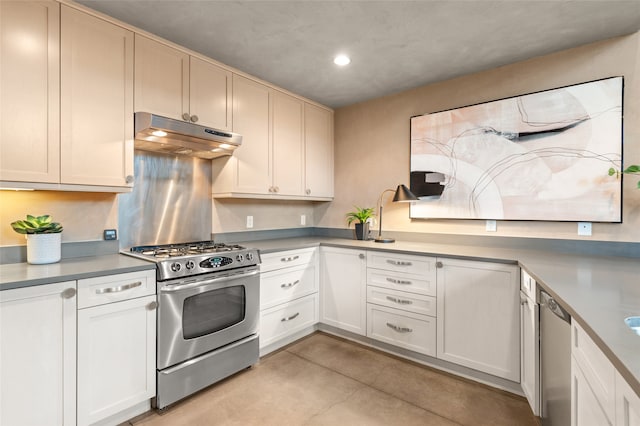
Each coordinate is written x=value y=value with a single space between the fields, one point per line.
x=169 y=136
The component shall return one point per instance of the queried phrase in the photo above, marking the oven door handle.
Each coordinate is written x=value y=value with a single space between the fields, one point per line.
x=207 y=282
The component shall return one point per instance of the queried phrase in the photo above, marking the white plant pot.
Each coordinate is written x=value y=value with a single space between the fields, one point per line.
x=44 y=248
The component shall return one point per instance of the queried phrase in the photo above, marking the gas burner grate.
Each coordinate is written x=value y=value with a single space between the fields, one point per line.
x=165 y=251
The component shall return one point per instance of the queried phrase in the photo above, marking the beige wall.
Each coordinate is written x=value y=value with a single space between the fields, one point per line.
x=230 y=215
x=372 y=138
x=83 y=215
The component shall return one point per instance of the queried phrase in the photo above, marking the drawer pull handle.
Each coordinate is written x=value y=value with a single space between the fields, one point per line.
x=118 y=288
x=290 y=284
x=68 y=293
x=398 y=328
x=290 y=318
x=152 y=306
x=289 y=259
x=399 y=262
x=395 y=281
x=399 y=301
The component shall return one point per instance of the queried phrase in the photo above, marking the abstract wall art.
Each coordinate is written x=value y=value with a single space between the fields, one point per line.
x=541 y=156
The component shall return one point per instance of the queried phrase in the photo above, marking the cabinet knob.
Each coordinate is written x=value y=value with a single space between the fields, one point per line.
x=151 y=306
x=186 y=117
x=308 y=191
x=69 y=293
x=194 y=118
x=276 y=189
x=271 y=189
x=129 y=179
x=361 y=256
x=439 y=265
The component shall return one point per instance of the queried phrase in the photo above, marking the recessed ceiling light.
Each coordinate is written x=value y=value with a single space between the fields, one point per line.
x=341 y=60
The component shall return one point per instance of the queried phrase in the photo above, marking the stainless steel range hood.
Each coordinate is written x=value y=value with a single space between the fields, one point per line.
x=170 y=136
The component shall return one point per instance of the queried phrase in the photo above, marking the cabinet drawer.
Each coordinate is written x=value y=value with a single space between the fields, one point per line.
x=596 y=367
x=528 y=285
x=417 y=303
x=402 y=281
x=284 y=285
x=283 y=259
x=280 y=321
x=113 y=288
x=420 y=265
x=404 y=329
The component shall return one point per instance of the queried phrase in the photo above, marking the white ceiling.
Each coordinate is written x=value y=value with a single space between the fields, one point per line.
x=394 y=45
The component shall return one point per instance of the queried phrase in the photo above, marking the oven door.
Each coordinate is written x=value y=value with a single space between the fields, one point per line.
x=199 y=315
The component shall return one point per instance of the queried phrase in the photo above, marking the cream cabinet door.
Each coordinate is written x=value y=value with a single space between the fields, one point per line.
x=30 y=91
x=627 y=404
x=318 y=138
x=210 y=94
x=343 y=297
x=252 y=160
x=96 y=101
x=287 y=135
x=116 y=357
x=479 y=316
x=38 y=355
x=161 y=79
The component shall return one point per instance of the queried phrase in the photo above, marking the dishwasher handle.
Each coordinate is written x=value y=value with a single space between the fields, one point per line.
x=547 y=301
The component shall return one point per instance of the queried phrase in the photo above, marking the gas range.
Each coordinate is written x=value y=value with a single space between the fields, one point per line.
x=195 y=258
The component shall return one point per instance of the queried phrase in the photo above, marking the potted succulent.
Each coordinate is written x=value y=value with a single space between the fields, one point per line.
x=361 y=215
x=43 y=236
x=633 y=169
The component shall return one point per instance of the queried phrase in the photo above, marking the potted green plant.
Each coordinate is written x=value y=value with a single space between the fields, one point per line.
x=361 y=216
x=44 y=238
x=633 y=169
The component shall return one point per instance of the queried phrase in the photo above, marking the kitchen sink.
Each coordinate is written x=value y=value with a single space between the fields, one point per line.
x=634 y=324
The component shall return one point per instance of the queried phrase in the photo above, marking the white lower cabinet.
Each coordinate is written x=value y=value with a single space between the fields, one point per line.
x=38 y=355
x=479 y=316
x=279 y=322
x=343 y=289
x=627 y=404
x=116 y=347
x=288 y=296
x=401 y=328
x=585 y=407
x=529 y=343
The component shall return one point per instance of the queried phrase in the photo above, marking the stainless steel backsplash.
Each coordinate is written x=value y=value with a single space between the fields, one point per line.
x=170 y=201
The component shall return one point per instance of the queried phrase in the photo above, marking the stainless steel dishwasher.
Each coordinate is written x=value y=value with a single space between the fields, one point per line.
x=555 y=362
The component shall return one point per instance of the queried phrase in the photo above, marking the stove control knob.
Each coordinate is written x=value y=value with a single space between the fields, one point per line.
x=249 y=256
x=175 y=266
x=190 y=264
x=240 y=258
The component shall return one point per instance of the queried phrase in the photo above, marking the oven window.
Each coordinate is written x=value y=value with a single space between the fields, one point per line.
x=212 y=311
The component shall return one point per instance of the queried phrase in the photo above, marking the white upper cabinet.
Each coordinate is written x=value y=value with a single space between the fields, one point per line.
x=96 y=101
x=30 y=91
x=173 y=84
x=318 y=145
x=286 y=151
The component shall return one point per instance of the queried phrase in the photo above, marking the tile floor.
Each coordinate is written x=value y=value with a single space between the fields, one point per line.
x=325 y=380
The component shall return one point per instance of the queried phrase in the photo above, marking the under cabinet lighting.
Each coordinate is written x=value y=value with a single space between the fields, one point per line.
x=159 y=133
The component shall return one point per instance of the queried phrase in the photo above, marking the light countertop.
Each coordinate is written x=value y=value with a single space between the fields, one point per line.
x=16 y=275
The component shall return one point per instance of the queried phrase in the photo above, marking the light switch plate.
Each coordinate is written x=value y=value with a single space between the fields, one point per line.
x=249 y=221
x=492 y=226
x=584 y=228
x=303 y=220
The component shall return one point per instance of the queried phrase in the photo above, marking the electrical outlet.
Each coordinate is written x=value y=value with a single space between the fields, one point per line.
x=584 y=228
x=303 y=219
x=491 y=226
x=249 y=221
